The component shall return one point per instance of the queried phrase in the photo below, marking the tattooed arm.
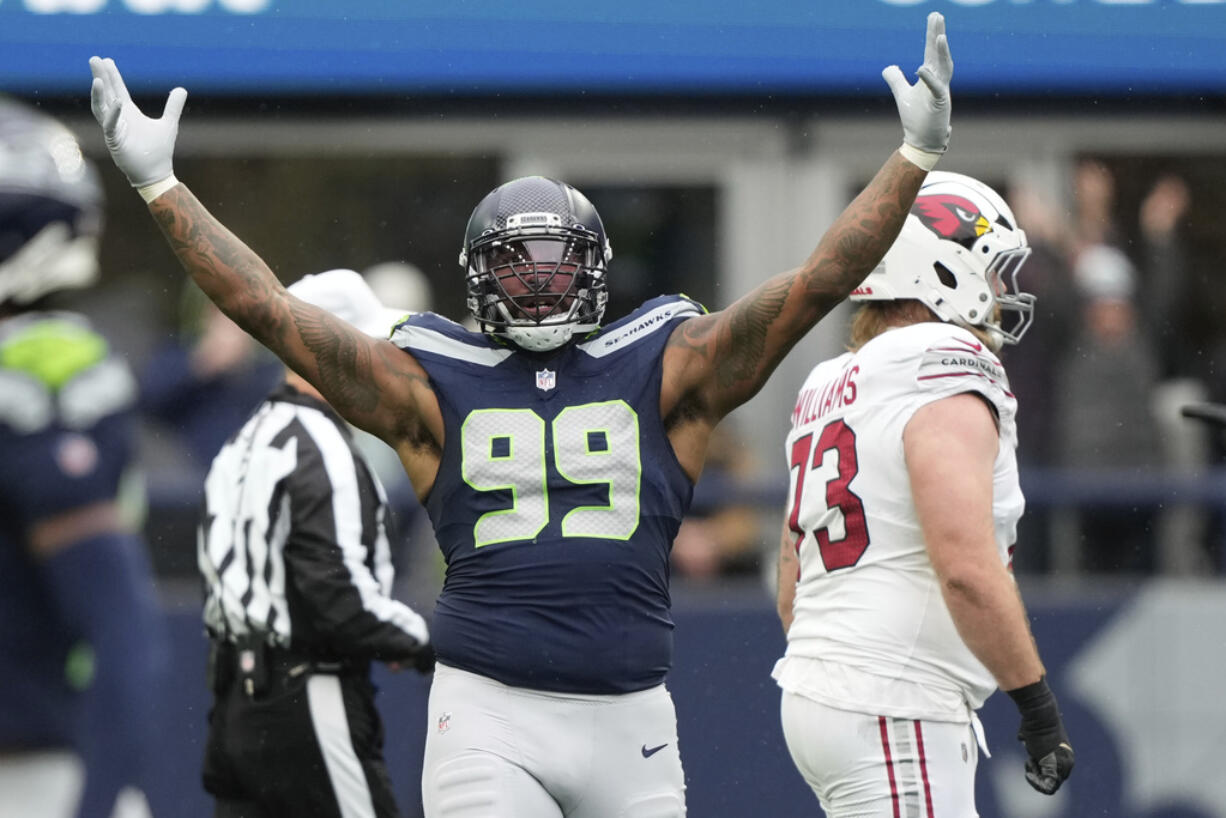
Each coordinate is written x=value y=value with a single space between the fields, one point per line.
x=727 y=356
x=371 y=383
x=716 y=362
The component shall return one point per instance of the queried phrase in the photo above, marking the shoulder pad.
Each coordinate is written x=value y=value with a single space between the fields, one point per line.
x=648 y=319
x=25 y=404
x=433 y=334
x=52 y=350
x=56 y=367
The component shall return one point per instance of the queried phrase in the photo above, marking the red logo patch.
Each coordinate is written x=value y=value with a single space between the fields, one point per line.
x=951 y=217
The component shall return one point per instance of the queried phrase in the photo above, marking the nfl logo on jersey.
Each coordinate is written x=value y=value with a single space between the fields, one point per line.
x=546 y=379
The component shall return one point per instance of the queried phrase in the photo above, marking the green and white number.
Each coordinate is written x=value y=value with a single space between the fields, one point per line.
x=504 y=449
x=599 y=444
x=593 y=444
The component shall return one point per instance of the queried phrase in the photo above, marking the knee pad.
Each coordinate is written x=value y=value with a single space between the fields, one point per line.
x=484 y=785
x=465 y=785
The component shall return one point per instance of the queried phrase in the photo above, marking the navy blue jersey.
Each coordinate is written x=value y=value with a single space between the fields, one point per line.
x=556 y=503
x=66 y=433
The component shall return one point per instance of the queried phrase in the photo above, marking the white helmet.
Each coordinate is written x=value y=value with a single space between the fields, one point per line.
x=959 y=253
x=50 y=207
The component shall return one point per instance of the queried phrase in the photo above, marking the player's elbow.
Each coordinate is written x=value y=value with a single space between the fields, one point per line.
x=965 y=584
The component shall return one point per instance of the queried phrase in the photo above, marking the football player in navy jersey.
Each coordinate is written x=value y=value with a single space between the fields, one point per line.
x=80 y=636
x=555 y=454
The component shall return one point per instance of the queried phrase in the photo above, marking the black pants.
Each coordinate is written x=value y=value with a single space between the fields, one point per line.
x=284 y=752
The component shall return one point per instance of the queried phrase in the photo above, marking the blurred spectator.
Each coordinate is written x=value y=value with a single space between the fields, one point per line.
x=1032 y=376
x=1165 y=294
x=1169 y=307
x=204 y=383
x=1104 y=387
x=1048 y=275
x=1093 y=206
x=721 y=534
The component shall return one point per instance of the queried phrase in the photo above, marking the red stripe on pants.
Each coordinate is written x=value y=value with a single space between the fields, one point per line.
x=889 y=764
x=919 y=745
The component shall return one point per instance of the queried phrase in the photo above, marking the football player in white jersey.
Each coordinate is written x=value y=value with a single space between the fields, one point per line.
x=895 y=587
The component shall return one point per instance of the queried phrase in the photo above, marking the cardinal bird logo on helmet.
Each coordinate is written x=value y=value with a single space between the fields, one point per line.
x=952 y=217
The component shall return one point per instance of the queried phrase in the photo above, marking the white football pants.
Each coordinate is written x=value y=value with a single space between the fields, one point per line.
x=864 y=766
x=48 y=785
x=494 y=751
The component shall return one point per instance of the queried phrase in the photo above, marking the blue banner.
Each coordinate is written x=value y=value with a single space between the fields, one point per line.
x=467 y=47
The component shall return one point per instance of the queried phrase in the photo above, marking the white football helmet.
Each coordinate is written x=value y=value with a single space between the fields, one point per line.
x=959 y=253
x=50 y=207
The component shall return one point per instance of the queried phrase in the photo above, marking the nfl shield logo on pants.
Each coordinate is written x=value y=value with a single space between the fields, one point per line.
x=546 y=379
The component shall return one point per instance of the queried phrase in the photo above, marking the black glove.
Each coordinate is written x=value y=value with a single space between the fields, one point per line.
x=423 y=659
x=1042 y=731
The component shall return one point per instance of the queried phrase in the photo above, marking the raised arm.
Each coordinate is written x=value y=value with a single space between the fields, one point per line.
x=717 y=362
x=371 y=383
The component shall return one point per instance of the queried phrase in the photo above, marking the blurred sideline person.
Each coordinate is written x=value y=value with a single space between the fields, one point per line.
x=895 y=589
x=295 y=556
x=1104 y=385
x=201 y=384
x=555 y=456
x=720 y=535
x=81 y=638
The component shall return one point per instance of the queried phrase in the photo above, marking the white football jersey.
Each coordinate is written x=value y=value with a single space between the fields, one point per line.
x=871 y=631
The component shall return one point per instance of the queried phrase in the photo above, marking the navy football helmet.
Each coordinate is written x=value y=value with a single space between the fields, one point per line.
x=50 y=207
x=535 y=258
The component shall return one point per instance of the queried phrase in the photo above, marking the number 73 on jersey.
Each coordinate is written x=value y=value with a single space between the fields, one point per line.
x=824 y=464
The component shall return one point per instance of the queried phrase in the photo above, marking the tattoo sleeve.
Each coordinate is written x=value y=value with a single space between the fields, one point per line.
x=344 y=366
x=745 y=343
x=226 y=269
x=329 y=353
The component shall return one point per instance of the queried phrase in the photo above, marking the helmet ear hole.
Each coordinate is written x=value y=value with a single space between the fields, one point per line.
x=945 y=276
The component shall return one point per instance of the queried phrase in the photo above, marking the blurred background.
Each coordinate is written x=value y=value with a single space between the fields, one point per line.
x=718 y=139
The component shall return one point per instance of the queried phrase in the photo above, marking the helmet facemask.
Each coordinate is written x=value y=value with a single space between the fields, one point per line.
x=533 y=276
x=1015 y=309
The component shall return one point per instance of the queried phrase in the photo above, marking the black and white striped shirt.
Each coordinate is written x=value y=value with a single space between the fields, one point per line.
x=293 y=540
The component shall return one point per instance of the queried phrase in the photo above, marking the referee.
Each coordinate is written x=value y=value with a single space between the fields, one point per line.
x=293 y=548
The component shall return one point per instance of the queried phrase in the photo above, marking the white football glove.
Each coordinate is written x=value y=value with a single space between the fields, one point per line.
x=141 y=147
x=924 y=107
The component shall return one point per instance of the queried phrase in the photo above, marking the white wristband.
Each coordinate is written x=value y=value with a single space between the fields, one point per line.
x=920 y=158
x=151 y=192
